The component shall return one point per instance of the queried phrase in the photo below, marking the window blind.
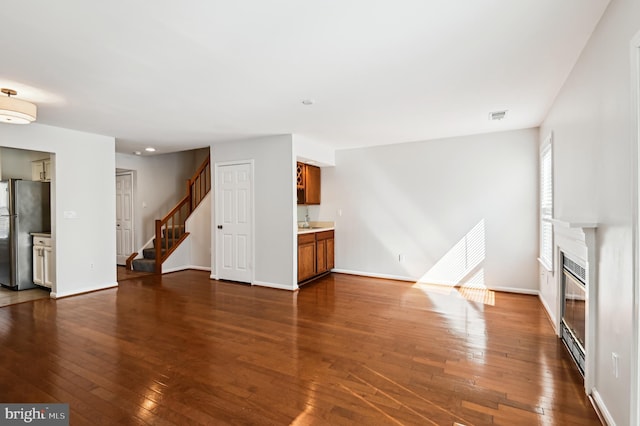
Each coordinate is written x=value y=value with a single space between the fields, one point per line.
x=546 y=207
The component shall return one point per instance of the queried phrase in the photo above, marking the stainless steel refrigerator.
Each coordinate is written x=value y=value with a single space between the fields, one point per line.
x=24 y=208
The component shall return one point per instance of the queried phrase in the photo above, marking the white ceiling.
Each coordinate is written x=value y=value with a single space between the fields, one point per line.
x=181 y=75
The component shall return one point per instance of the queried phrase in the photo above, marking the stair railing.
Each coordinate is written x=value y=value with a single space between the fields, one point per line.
x=170 y=230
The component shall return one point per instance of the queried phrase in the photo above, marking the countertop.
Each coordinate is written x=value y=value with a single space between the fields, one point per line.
x=41 y=234
x=316 y=227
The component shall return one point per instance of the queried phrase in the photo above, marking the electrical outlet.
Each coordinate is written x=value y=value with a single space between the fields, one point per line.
x=401 y=257
x=615 y=365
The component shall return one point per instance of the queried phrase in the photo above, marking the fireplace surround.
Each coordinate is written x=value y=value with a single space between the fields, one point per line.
x=576 y=284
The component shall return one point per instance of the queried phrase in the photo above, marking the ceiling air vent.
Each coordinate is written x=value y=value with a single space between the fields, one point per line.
x=497 y=115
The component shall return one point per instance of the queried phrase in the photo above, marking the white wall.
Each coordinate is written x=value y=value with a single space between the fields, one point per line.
x=199 y=226
x=593 y=178
x=307 y=149
x=195 y=251
x=421 y=199
x=16 y=163
x=274 y=196
x=160 y=181
x=83 y=182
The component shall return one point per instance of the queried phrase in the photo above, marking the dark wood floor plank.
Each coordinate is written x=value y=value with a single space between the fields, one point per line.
x=183 y=349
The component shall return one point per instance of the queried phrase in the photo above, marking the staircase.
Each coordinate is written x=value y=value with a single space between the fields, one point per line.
x=148 y=261
x=170 y=230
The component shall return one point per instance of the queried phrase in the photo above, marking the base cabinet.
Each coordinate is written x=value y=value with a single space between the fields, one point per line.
x=42 y=261
x=306 y=256
x=315 y=254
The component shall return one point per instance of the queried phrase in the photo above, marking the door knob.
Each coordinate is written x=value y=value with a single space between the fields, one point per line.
x=219 y=226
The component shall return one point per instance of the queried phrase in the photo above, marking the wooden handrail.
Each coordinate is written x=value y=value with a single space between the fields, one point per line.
x=200 y=184
x=170 y=230
x=129 y=261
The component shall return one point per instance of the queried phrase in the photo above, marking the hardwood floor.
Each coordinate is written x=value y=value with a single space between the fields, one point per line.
x=127 y=274
x=182 y=349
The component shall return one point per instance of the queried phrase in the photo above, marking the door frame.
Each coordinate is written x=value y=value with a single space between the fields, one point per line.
x=132 y=247
x=216 y=260
x=634 y=399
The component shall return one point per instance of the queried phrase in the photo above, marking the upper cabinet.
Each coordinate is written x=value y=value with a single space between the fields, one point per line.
x=308 y=184
x=41 y=170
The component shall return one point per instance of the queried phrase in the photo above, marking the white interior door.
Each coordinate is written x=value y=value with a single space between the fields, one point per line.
x=124 y=217
x=233 y=219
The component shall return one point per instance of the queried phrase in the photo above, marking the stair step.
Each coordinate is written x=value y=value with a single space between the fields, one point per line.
x=150 y=253
x=163 y=242
x=146 y=265
x=175 y=232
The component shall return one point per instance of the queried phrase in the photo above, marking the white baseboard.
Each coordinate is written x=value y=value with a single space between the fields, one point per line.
x=550 y=314
x=608 y=418
x=200 y=268
x=58 y=295
x=374 y=275
x=175 y=269
x=274 y=285
x=528 y=291
x=213 y=276
x=184 y=268
x=517 y=290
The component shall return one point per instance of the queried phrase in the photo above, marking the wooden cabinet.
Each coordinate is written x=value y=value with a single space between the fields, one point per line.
x=41 y=170
x=330 y=253
x=308 y=184
x=315 y=254
x=323 y=241
x=42 y=261
x=306 y=256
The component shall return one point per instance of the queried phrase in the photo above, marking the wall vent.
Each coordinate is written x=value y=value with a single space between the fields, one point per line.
x=497 y=115
x=576 y=270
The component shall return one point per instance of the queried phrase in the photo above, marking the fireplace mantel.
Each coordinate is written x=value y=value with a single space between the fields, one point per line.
x=576 y=238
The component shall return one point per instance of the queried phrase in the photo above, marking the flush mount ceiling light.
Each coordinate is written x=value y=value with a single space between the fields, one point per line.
x=16 y=111
x=497 y=115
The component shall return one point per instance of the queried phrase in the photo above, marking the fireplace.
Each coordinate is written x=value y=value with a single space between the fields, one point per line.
x=573 y=322
x=574 y=313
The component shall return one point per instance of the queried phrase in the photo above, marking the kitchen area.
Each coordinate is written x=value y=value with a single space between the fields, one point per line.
x=26 y=261
x=316 y=239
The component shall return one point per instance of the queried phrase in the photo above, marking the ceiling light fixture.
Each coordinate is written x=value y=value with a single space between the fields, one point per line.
x=150 y=149
x=16 y=111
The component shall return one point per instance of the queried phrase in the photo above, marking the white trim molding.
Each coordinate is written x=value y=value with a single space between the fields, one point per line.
x=602 y=408
x=634 y=395
x=275 y=286
x=528 y=291
x=83 y=290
